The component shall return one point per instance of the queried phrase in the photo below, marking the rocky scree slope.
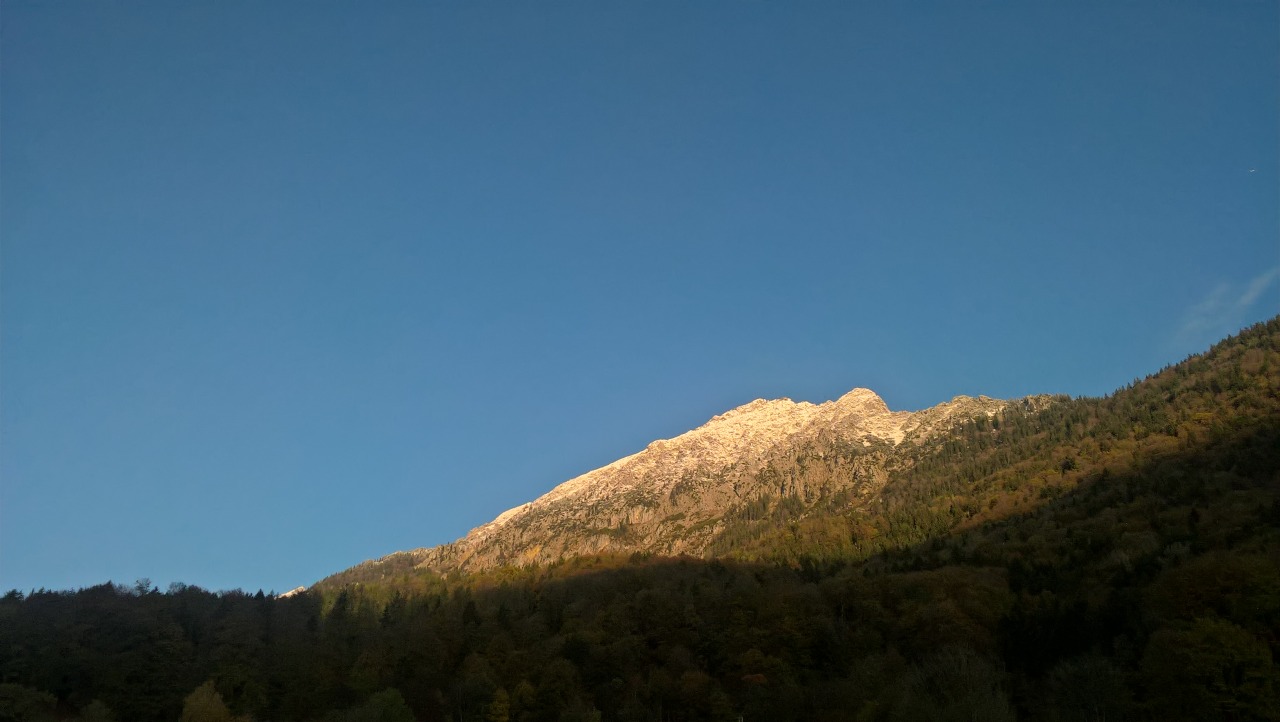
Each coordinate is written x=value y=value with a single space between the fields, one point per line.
x=680 y=495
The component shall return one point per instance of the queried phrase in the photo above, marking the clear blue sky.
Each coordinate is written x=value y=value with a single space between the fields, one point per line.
x=286 y=286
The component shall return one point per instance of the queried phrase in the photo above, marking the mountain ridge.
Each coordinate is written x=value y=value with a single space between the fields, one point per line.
x=845 y=479
x=674 y=495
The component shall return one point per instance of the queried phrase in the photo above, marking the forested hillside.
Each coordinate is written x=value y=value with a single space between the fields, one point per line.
x=1067 y=559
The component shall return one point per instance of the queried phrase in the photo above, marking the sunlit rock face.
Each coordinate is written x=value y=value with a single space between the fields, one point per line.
x=677 y=495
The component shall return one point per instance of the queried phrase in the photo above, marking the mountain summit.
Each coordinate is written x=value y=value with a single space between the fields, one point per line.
x=688 y=494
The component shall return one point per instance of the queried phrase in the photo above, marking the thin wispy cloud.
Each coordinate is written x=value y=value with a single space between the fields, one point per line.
x=1225 y=310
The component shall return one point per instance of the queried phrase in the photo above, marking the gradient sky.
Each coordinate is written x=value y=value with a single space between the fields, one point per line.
x=285 y=286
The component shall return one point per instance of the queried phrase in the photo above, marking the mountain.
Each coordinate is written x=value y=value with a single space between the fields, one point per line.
x=693 y=493
x=1047 y=559
x=776 y=480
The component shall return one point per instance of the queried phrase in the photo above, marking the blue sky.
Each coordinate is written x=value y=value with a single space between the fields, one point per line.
x=287 y=286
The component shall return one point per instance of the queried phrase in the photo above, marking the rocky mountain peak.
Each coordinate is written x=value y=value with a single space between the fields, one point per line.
x=674 y=496
x=865 y=398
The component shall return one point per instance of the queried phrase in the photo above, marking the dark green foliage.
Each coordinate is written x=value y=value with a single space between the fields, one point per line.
x=1069 y=559
x=954 y=685
x=385 y=706
x=205 y=705
x=1210 y=669
x=23 y=704
x=1089 y=688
